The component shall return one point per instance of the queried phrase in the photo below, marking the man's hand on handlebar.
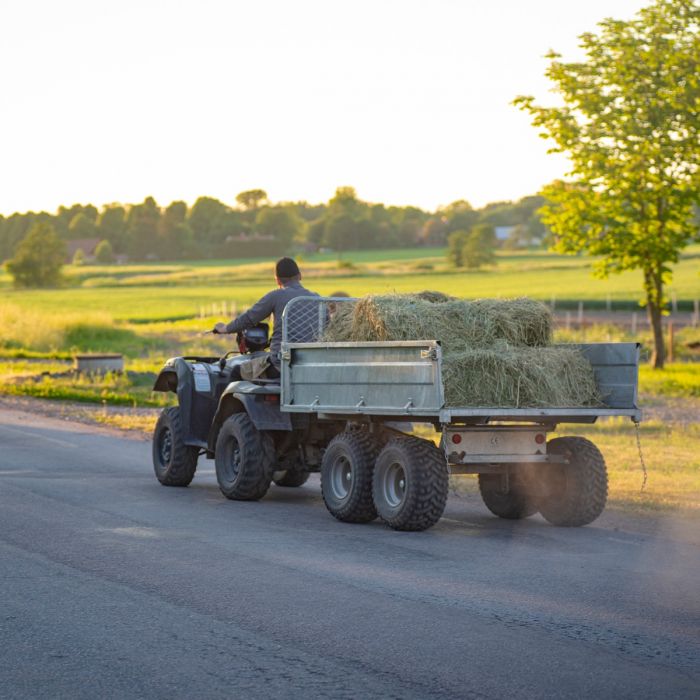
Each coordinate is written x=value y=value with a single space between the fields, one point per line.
x=219 y=329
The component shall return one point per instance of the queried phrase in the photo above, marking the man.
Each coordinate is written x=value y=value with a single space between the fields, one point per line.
x=288 y=278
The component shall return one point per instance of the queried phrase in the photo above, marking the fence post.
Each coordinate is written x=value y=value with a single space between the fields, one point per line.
x=568 y=320
x=670 y=341
x=634 y=323
x=696 y=313
x=580 y=313
x=608 y=303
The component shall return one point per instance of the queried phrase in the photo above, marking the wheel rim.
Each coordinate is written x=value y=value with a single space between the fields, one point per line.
x=165 y=446
x=233 y=462
x=341 y=478
x=394 y=485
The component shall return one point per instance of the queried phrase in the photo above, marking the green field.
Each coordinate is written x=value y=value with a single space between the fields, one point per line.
x=164 y=291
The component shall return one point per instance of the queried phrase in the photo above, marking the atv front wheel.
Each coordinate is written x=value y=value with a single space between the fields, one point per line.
x=173 y=462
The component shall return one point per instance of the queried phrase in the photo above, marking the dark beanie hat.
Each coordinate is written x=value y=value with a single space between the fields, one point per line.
x=286 y=267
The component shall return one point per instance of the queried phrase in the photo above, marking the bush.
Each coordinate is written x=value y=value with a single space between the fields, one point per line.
x=104 y=253
x=38 y=258
x=455 y=246
x=478 y=248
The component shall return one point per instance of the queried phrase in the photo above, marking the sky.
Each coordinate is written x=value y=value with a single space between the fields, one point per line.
x=408 y=101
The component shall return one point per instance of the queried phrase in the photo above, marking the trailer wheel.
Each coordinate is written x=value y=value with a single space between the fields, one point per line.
x=173 y=462
x=574 y=493
x=291 y=479
x=410 y=484
x=244 y=458
x=507 y=496
x=346 y=476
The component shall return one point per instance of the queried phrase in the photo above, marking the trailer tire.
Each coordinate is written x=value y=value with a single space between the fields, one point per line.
x=244 y=459
x=410 y=484
x=576 y=491
x=346 y=476
x=292 y=479
x=514 y=504
x=174 y=462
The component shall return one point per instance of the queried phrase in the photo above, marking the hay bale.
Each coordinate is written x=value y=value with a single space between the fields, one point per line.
x=495 y=351
x=434 y=297
x=507 y=377
x=458 y=324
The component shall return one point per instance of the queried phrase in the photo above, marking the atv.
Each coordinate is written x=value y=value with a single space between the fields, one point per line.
x=236 y=422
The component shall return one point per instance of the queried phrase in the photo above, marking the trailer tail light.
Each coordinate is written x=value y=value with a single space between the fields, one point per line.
x=540 y=438
x=456 y=438
x=272 y=398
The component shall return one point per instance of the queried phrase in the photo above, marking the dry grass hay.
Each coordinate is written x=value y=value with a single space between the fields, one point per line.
x=456 y=323
x=509 y=377
x=495 y=351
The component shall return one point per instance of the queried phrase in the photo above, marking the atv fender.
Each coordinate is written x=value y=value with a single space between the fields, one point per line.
x=176 y=376
x=243 y=396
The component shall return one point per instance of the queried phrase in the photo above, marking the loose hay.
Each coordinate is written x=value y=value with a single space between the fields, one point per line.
x=456 y=323
x=519 y=378
x=495 y=351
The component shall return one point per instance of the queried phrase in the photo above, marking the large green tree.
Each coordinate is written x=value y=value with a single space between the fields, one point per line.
x=630 y=126
x=38 y=258
x=251 y=199
x=280 y=222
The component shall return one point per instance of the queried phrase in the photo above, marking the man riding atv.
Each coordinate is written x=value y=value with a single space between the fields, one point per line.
x=288 y=277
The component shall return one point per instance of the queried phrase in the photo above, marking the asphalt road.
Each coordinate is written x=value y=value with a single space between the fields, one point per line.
x=112 y=586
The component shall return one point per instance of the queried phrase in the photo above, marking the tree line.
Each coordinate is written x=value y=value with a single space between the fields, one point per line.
x=255 y=227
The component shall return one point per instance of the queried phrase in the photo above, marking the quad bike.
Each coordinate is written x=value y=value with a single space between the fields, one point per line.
x=236 y=422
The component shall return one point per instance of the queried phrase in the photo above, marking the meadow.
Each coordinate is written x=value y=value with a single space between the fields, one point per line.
x=153 y=311
x=144 y=293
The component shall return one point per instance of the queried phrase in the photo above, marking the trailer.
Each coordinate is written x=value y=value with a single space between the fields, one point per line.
x=361 y=413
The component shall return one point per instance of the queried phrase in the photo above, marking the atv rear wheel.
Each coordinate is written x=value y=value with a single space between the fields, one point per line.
x=244 y=459
x=173 y=462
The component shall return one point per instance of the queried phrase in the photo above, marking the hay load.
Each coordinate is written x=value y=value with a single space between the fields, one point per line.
x=456 y=323
x=496 y=352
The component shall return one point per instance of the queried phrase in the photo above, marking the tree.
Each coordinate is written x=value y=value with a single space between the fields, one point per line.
x=142 y=229
x=104 y=253
x=478 y=249
x=81 y=226
x=630 y=125
x=251 y=199
x=38 y=259
x=79 y=257
x=111 y=226
x=281 y=223
x=455 y=247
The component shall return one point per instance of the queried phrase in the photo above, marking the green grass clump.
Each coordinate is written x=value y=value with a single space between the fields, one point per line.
x=127 y=389
x=675 y=380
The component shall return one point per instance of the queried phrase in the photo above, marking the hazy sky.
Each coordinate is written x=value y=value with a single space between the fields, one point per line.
x=407 y=101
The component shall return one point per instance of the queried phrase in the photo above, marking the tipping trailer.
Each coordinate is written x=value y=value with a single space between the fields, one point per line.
x=349 y=409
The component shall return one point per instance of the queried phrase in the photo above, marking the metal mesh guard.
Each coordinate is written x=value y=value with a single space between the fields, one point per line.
x=305 y=318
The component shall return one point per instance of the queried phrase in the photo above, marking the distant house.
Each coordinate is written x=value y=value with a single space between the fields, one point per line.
x=503 y=233
x=87 y=245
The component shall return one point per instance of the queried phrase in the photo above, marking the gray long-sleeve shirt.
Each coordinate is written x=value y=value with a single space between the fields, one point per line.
x=272 y=303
